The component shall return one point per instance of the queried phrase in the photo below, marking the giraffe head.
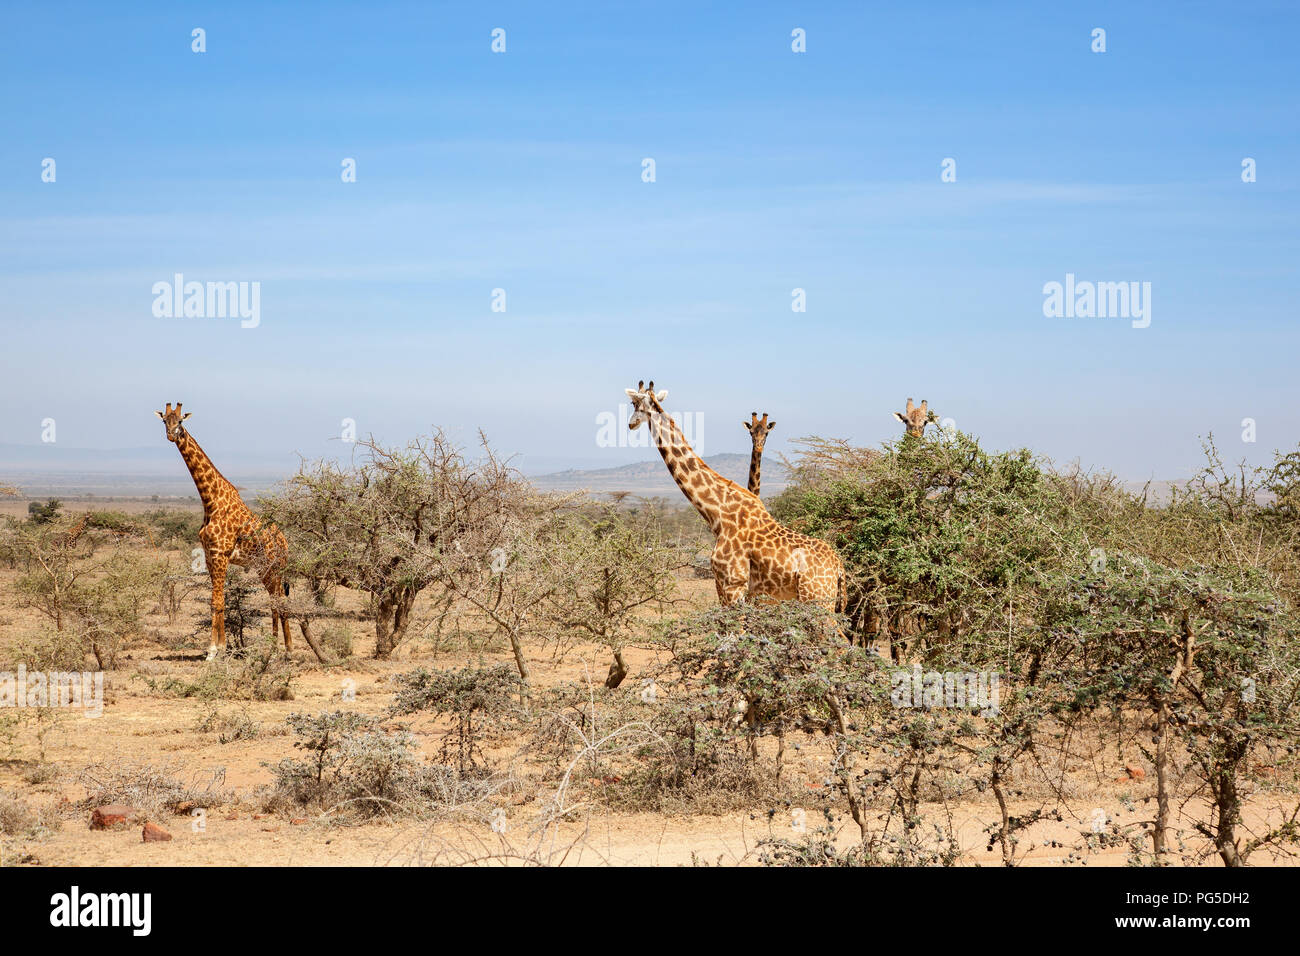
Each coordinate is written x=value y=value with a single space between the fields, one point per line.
x=172 y=418
x=645 y=402
x=758 y=429
x=916 y=418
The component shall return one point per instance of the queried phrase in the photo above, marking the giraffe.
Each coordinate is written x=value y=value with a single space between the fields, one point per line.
x=753 y=556
x=231 y=534
x=68 y=539
x=915 y=419
x=758 y=431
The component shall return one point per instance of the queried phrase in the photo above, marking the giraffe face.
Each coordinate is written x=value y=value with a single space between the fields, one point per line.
x=645 y=402
x=916 y=418
x=172 y=419
x=758 y=430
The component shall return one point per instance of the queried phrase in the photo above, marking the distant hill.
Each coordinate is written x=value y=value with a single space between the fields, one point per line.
x=650 y=479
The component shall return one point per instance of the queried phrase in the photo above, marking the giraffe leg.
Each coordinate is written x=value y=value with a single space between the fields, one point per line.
x=284 y=624
x=274 y=585
x=217 y=573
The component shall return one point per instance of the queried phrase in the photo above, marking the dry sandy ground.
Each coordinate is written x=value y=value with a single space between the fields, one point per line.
x=140 y=726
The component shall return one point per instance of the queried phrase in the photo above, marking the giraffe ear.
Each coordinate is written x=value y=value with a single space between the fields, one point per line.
x=186 y=415
x=661 y=396
x=771 y=425
x=899 y=416
x=749 y=426
x=631 y=392
x=159 y=414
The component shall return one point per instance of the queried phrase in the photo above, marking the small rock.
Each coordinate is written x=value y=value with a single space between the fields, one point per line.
x=185 y=807
x=1134 y=773
x=260 y=816
x=112 y=815
x=153 y=833
x=232 y=816
x=298 y=821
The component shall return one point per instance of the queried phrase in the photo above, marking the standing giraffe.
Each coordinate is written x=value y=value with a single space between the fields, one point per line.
x=231 y=534
x=915 y=419
x=753 y=555
x=758 y=433
x=68 y=539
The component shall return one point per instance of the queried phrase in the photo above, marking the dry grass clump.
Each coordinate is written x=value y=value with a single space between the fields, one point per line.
x=152 y=790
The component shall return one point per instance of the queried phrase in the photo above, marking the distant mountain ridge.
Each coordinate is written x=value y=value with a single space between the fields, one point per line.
x=39 y=471
x=651 y=478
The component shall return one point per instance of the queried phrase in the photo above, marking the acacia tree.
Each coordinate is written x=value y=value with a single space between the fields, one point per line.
x=377 y=526
x=937 y=536
x=616 y=564
x=410 y=518
x=1216 y=663
x=507 y=557
x=57 y=566
x=98 y=598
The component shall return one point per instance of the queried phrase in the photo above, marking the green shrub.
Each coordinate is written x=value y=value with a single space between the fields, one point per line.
x=355 y=768
x=38 y=513
x=479 y=700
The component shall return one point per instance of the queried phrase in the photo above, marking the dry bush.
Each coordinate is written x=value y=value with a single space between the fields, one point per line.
x=259 y=672
x=337 y=639
x=229 y=726
x=356 y=769
x=480 y=701
x=152 y=790
x=16 y=818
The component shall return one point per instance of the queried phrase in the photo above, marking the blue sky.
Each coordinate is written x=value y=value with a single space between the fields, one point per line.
x=774 y=171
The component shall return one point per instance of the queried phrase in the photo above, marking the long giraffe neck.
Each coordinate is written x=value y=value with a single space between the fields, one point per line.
x=755 y=469
x=207 y=479
x=701 y=485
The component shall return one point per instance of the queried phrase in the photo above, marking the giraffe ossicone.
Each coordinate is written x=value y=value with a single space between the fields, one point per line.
x=915 y=418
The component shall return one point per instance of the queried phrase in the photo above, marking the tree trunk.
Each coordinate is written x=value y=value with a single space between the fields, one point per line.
x=383 y=627
x=1160 y=833
x=1227 y=801
x=845 y=769
x=1164 y=720
x=1225 y=837
x=305 y=626
x=520 y=661
x=392 y=618
x=402 y=608
x=617 y=670
x=1004 y=829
